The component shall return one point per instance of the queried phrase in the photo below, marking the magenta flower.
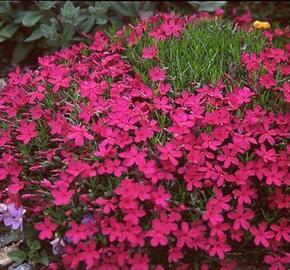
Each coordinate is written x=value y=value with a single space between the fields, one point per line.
x=157 y=74
x=169 y=152
x=46 y=228
x=79 y=134
x=218 y=246
x=149 y=52
x=27 y=131
x=261 y=235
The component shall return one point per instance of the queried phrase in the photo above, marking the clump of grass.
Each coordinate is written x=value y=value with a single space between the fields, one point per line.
x=204 y=53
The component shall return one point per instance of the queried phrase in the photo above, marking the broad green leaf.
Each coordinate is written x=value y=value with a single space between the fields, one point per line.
x=49 y=31
x=34 y=245
x=20 y=52
x=124 y=8
x=102 y=19
x=36 y=34
x=18 y=15
x=86 y=25
x=45 y=5
x=68 y=33
x=208 y=5
x=5 y=7
x=8 y=30
x=31 y=18
x=17 y=256
x=44 y=258
x=29 y=232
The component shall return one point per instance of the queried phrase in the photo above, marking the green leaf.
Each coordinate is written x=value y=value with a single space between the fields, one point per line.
x=45 y=5
x=36 y=34
x=19 y=15
x=86 y=25
x=8 y=30
x=31 y=18
x=49 y=31
x=208 y=5
x=34 y=245
x=44 y=258
x=124 y=8
x=5 y=7
x=102 y=19
x=17 y=256
x=68 y=33
x=20 y=52
x=29 y=232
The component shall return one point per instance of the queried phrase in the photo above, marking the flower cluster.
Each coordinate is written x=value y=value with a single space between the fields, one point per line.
x=125 y=175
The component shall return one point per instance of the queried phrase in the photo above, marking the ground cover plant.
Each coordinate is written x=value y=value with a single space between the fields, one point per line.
x=142 y=151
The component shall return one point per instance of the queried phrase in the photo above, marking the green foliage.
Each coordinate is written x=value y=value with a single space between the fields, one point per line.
x=207 y=5
x=206 y=51
x=31 y=249
x=17 y=256
x=50 y=25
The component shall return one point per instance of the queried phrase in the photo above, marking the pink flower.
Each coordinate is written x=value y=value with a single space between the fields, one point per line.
x=62 y=195
x=172 y=27
x=158 y=233
x=274 y=175
x=27 y=131
x=212 y=214
x=140 y=262
x=133 y=156
x=77 y=232
x=88 y=253
x=169 y=152
x=149 y=52
x=267 y=81
x=160 y=197
x=266 y=155
x=218 y=246
x=261 y=235
x=157 y=74
x=79 y=134
x=46 y=228
x=277 y=262
x=229 y=157
x=282 y=230
x=241 y=216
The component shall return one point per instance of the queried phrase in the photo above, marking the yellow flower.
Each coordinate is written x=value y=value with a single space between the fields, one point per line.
x=261 y=25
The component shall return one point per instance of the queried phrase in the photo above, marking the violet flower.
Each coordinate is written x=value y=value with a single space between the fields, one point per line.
x=11 y=216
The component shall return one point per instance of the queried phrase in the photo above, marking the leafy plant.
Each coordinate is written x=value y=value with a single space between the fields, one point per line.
x=31 y=249
x=207 y=5
x=50 y=25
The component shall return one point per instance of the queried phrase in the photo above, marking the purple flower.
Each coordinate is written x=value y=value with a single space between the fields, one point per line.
x=57 y=245
x=11 y=216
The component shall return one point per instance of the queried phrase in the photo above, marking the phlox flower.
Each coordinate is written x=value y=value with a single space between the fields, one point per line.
x=261 y=235
x=241 y=217
x=77 y=232
x=281 y=230
x=218 y=246
x=157 y=74
x=79 y=134
x=277 y=262
x=169 y=152
x=149 y=52
x=27 y=131
x=46 y=228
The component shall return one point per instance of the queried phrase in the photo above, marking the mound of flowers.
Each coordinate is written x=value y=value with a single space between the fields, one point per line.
x=116 y=173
